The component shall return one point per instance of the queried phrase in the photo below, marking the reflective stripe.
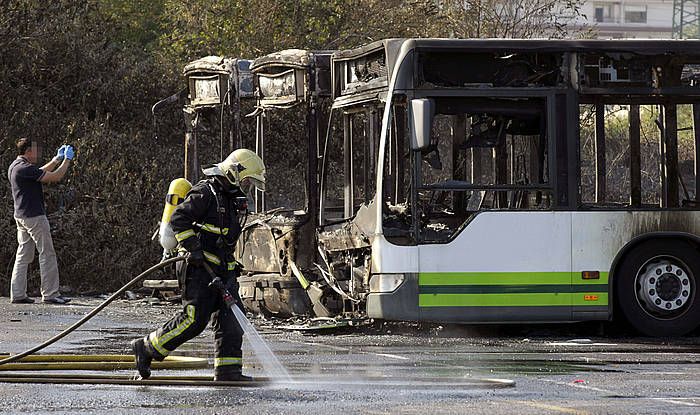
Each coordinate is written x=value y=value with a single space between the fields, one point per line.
x=506 y=278
x=214 y=229
x=232 y=265
x=228 y=361
x=513 y=300
x=184 y=235
x=212 y=258
x=153 y=339
x=511 y=289
x=158 y=342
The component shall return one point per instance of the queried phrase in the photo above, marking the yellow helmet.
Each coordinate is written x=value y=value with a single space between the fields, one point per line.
x=240 y=165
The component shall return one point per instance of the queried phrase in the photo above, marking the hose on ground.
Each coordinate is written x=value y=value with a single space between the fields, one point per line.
x=92 y=313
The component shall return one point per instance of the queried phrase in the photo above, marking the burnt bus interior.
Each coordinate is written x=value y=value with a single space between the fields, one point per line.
x=348 y=177
x=571 y=129
x=277 y=246
x=290 y=86
x=352 y=143
x=348 y=188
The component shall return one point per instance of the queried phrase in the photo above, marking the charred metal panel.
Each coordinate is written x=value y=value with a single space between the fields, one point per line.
x=502 y=68
x=346 y=237
x=292 y=76
x=266 y=248
x=213 y=78
x=363 y=71
x=626 y=226
x=257 y=250
x=366 y=219
x=664 y=221
x=599 y=236
x=356 y=234
x=292 y=58
x=269 y=241
x=272 y=294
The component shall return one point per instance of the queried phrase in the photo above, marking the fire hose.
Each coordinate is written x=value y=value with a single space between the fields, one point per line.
x=92 y=313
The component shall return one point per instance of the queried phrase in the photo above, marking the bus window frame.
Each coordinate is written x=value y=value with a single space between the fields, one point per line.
x=562 y=152
x=370 y=111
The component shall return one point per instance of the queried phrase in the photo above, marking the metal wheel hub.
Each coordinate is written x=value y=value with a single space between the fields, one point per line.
x=663 y=286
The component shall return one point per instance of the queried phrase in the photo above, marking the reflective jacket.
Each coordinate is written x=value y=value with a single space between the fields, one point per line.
x=208 y=219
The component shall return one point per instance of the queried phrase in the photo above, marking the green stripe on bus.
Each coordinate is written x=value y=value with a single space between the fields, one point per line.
x=511 y=289
x=507 y=278
x=513 y=300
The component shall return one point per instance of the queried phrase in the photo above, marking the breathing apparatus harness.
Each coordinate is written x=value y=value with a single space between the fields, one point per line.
x=240 y=204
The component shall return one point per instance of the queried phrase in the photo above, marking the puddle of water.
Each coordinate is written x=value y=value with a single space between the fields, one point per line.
x=272 y=367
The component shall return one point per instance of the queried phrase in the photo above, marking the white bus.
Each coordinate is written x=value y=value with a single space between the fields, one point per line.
x=514 y=181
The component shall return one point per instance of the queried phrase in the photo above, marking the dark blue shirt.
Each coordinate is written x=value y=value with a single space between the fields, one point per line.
x=27 y=191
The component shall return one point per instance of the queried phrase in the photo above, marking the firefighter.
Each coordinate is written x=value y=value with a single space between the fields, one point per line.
x=207 y=225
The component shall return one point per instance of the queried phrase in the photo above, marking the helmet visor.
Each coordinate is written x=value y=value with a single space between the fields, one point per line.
x=259 y=184
x=248 y=183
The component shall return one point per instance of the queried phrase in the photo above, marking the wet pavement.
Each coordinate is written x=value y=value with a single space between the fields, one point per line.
x=374 y=369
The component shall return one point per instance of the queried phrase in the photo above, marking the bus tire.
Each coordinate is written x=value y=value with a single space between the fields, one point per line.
x=656 y=287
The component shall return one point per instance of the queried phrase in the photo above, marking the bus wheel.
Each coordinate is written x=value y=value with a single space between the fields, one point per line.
x=657 y=288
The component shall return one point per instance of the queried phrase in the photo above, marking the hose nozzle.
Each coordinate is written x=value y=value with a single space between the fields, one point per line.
x=225 y=294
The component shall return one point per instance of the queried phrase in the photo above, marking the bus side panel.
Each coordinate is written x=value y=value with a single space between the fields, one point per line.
x=598 y=237
x=504 y=266
x=402 y=304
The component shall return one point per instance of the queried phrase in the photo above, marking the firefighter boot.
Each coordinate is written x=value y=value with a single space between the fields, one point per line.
x=143 y=357
x=230 y=374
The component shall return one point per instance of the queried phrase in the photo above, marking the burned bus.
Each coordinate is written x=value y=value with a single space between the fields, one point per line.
x=278 y=243
x=507 y=181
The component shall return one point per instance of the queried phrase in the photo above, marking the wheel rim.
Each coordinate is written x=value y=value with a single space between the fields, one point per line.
x=665 y=287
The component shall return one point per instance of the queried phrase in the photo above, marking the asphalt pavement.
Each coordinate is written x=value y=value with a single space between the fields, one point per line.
x=377 y=368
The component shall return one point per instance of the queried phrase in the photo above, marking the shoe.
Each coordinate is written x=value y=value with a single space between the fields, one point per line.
x=25 y=300
x=231 y=376
x=55 y=300
x=143 y=358
x=66 y=299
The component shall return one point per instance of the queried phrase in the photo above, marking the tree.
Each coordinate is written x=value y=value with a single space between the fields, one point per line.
x=506 y=18
x=88 y=71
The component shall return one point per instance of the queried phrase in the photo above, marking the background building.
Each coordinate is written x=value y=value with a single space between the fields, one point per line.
x=614 y=19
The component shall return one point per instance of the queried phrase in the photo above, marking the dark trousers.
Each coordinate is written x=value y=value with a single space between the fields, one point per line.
x=201 y=305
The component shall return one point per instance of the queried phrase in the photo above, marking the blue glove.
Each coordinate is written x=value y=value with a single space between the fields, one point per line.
x=61 y=153
x=69 y=152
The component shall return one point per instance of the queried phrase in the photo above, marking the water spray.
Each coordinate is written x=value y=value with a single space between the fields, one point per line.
x=271 y=365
